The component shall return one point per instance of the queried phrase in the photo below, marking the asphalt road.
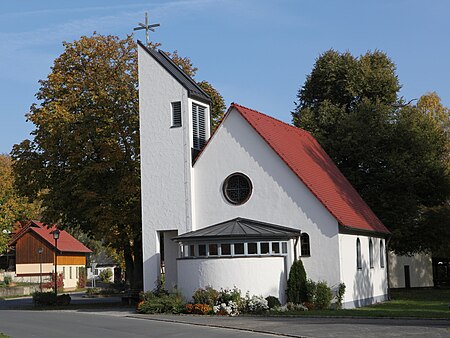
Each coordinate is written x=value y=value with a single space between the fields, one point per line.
x=122 y=322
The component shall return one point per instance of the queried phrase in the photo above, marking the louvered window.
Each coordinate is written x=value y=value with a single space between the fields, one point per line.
x=176 y=114
x=199 y=125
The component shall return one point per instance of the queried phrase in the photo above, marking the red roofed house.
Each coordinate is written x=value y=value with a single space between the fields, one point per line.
x=237 y=208
x=35 y=253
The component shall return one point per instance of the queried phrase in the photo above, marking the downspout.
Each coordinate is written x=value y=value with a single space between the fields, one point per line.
x=387 y=266
x=295 y=247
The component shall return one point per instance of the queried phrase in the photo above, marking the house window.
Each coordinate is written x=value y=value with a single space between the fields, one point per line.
x=202 y=250
x=70 y=272
x=237 y=188
x=198 y=125
x=225 y=249
x=370 y=253
x=304 y=244
x=77 y=272
x=213 y=250
x=264 y=249
x=64 y=272
x=381 y=253
x=176 y=114
x=238 y=248
x=252 y=248
x=358 y=254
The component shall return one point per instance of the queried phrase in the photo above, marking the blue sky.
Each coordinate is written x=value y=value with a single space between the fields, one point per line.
x=255 y=52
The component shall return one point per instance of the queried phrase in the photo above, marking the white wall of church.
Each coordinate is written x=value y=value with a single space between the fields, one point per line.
x=420 y=270
x=366 y=285
x=260 y=275
x=278 y=195
x=165 y=161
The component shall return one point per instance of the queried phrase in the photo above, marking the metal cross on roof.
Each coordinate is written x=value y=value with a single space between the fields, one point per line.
x=147 y=27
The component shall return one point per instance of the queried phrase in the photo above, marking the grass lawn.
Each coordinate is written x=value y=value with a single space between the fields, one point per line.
x=423 y=303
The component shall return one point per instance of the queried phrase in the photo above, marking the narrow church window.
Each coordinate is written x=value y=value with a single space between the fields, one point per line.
x=381 y=253
x=176 y=114
x=370 y=253
x=358 y=254
x=198 y=125
x=304 y=244
x=237 y=188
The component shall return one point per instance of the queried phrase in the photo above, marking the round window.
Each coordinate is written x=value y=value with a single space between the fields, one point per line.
x=237 y=188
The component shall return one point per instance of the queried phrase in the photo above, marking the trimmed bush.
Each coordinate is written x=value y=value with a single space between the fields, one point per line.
x=324 y=295
x=7 y=280
x=208 y=295
x=340 y=295
x=273 y=302
x=105 y=275
x=296 y=284
x=151 y=303
x=49 y=298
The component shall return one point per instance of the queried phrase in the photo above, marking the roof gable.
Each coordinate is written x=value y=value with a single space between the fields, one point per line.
x=194 y=90
x=310 y=163
x=66 y=242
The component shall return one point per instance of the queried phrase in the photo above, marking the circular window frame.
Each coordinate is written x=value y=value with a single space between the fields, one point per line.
x=225 y=185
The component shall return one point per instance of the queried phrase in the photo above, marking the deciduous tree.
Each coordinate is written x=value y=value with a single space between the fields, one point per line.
x=391 y=152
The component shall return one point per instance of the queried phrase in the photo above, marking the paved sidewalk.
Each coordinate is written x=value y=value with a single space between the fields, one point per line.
x=317 y=327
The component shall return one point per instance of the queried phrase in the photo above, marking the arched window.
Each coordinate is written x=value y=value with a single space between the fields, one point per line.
x=358 y=254
x=370 y=253
x=381 y=253
x=304 y=244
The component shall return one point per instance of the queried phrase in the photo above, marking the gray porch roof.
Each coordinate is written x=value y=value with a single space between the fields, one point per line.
x=240 y=228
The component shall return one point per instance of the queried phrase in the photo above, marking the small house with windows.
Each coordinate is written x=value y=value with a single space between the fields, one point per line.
x=237 y=208
x=36 y=251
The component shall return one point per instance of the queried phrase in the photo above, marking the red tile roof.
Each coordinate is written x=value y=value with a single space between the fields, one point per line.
x=306 y=158
x=66 y=242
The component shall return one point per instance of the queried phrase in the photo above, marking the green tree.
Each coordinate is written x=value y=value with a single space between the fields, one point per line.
x=85 y=152
x=218 y=106
x=13 y=207
x=391 y=152
x=430 y=104
x=296 y=284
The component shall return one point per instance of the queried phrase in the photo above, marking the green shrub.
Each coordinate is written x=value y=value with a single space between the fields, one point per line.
x=151 y=303
x=208 y=295
x=296 y=284
x=105 y=275
x=323 y=297
x=49 y=298
x=273 y=302
x=310 y=287
x=227 y=295
x=7 y=280
x=81 y=283
x=340 y=295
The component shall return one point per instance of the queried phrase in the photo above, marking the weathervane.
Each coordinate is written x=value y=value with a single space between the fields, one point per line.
x=147 y=27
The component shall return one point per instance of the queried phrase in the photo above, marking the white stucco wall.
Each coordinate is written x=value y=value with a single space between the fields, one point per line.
x=260 y=275
x=366 y=285
x=420 y=270
x=278 y=195
x=165 y=161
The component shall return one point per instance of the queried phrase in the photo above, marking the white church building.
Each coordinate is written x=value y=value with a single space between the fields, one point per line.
x=235 y=209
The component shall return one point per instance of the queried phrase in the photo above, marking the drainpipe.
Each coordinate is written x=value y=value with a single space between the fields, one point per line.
x=295 y=247
x=387 y=266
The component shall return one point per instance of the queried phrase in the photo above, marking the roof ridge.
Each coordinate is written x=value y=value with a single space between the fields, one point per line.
x=297 y=129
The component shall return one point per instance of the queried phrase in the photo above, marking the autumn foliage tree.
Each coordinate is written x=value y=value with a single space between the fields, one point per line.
x=84 y=159
x=393 y=153
x=85 y=151
x=13 y=207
